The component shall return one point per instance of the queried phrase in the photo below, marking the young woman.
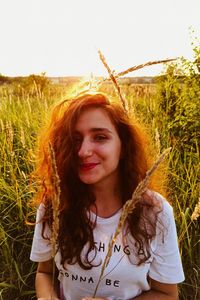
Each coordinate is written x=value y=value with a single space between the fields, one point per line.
x=101 y=156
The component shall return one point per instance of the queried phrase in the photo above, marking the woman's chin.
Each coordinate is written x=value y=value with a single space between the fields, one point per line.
x=88 y=181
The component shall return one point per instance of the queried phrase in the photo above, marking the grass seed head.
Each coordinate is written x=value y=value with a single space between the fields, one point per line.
x=196 y=212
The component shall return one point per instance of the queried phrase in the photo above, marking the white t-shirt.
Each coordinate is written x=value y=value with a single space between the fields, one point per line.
x=123 y=279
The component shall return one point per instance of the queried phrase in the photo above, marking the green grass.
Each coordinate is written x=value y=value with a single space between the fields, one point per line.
x=21 y=116
x=22 y=113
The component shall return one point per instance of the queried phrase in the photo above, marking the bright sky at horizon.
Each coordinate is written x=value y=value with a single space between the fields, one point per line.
x=62 y=37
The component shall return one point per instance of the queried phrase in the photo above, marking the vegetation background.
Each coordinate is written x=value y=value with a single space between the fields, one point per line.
x=170 y=110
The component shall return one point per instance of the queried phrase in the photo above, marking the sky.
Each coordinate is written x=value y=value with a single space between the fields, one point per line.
x=62 y=37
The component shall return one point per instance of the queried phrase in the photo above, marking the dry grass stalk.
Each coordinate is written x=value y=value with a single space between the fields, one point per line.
x=29 y=105
x=55 y=200
x=135 y=68
x=196 y=212
x=10 y=135
x=194 y=217
x=22 y=137
x=2 y=125
x=157 y=141
x=27 y=119
x=149 y=63
x=112 y=77
x=127 y=209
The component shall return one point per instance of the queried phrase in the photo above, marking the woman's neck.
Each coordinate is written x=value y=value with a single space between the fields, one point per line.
x=108 y=200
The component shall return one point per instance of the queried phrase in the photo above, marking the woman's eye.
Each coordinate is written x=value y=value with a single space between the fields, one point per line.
x=100 y=138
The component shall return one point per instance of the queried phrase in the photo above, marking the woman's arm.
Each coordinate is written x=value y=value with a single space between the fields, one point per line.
x=160 y=291
x=46 y=285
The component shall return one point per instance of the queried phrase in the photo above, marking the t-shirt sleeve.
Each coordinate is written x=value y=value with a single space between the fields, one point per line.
x=166 y=266
x=41 y=248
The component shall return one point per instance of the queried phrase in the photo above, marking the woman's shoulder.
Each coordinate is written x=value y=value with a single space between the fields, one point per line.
x=161 y=206
x=159 y=200
x=40 y=212
x=40 y=222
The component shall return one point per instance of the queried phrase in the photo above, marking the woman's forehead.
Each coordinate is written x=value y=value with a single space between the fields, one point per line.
x=94 y=119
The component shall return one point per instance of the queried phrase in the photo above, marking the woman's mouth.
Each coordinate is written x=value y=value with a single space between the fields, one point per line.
x=88 y=166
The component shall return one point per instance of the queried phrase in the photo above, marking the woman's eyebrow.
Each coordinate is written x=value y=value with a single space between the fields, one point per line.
x=96 y=129
x=100 y=129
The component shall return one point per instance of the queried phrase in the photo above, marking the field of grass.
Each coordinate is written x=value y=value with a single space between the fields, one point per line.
x=170 y=109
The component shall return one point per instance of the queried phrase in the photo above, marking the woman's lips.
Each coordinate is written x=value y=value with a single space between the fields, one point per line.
x=88 y=166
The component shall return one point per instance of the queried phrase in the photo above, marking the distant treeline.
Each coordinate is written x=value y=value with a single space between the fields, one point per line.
x=125 y=80
x=20 y=79
x=75 y=79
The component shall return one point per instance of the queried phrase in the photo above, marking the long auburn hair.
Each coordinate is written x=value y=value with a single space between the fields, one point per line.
x=75 y=228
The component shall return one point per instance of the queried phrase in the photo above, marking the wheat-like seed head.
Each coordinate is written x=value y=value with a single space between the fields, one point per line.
x=112 y=77
x=55 y=200
x=127 y=209
x=149 y=63
x=196 y=212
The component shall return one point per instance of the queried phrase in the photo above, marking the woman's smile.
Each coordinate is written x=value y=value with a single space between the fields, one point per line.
x=88 y=166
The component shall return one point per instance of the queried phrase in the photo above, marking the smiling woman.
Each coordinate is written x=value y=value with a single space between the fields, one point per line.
x=101 y=156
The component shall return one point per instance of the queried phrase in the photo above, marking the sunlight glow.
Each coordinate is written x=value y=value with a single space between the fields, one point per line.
x=62 y=37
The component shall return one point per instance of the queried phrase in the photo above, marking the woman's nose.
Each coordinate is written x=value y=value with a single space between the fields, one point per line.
x=85 y=149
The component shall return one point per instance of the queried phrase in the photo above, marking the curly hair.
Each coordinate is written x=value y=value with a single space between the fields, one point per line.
x=75 y=228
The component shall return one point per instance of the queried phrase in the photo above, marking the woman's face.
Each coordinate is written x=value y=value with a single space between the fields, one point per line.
x=98 y=147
